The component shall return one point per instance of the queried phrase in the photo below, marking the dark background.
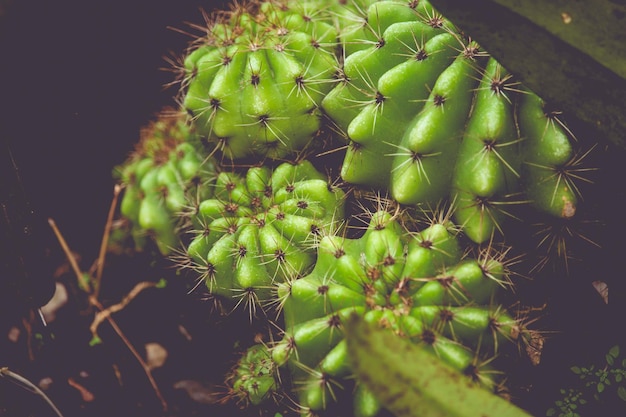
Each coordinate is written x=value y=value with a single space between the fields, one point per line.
x=77 y=81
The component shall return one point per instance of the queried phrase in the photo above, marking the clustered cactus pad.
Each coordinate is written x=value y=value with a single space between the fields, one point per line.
x=261 y=228
x=163 y=176
x=419 y=284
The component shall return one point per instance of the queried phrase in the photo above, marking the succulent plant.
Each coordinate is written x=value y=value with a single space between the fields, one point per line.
x=429 y=116
x=163 y=177
x=253 y=82
x=254 y=379
x=381 y=358
x=261 y=228
x=421 y=284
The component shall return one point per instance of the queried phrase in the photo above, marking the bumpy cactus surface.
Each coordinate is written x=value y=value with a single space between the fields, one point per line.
x=253 y=83
x=261 y=228
x=419 y=284
x=163 y=178
x=425 y=116
x=430 y=116
x=253 y=379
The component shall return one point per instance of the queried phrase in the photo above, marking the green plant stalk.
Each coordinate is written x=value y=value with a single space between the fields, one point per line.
x=410 y=382
x=553 y=61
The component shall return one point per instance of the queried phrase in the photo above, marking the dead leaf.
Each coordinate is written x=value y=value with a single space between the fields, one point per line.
x=199 y=392
x=58 y=300
x=156 y=355
x=535 y=347
x=603 y=289
x=14 y=334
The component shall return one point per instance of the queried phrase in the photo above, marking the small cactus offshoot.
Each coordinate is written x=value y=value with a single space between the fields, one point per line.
x=254 y=379
x=163 y=178
x=261 y=228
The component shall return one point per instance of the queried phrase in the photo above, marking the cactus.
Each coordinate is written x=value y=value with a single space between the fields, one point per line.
x=420 y=284
x=253 y=380
x=555 y=49
x=163 y=178
x=253 y=82
x=261 y=228
x=373 y=107
x=430 y=116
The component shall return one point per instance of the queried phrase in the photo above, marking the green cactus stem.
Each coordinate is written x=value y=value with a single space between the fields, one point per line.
x=410 y=382
x=253 y=380
x=419 y=284
x=261 y=228
x=429 y=117
x=253 y=82
x=164 y=177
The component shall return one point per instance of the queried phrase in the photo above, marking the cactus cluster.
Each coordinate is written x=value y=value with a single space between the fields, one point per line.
x=430 y=116
x=418 y=112
x=421 y=284
x=254 y=81
x=166 y=172
x=261 y=228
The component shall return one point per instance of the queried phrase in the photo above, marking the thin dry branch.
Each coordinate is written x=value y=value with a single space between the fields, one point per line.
x=104 y=314
x=92 y=294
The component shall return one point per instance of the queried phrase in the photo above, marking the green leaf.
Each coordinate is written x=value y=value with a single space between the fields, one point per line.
x=600 y=387
x=162 y=283
x=550 y=412
x=95 y=340
x=576 y=370
x=614 y=351
x=621 y=392
x=410 y=381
